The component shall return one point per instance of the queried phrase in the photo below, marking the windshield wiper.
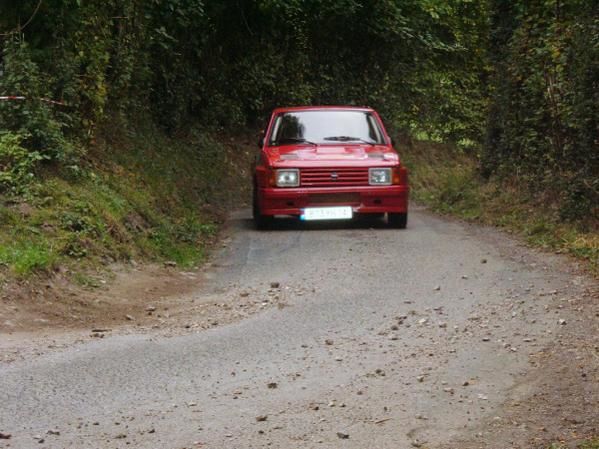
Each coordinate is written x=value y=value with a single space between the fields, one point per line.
x=294 y=140
x=349 y=139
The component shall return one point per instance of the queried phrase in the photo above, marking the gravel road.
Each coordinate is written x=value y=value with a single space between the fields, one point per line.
x=379 y=338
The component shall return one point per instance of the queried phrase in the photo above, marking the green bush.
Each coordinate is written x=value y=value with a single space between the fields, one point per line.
x=17 y=164
x=544 y=113
x=32 y=119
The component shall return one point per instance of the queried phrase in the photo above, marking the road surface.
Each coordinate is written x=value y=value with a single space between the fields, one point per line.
x=379 y=338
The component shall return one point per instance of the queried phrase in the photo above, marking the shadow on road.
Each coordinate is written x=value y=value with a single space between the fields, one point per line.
x=294 y=224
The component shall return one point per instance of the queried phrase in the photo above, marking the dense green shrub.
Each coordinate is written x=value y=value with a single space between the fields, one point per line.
x=17 y=164
x=229 y=63
x=544 y=115
x=31 y=118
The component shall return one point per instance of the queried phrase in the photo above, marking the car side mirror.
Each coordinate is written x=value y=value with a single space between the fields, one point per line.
x=261 y=141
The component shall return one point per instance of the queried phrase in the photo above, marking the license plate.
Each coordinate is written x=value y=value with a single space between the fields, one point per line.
x=327 y=213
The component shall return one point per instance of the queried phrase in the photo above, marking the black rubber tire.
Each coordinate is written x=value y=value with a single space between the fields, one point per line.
x=260 y=221
x=397 y=220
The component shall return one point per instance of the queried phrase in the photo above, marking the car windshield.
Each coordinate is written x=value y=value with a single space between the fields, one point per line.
x=326 y=127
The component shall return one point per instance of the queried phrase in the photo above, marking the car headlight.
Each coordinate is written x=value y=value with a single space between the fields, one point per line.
x=287 y=178
x=379 y=176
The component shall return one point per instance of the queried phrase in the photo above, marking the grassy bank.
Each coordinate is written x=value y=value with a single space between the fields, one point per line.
x=447 y=180
x=138 y=195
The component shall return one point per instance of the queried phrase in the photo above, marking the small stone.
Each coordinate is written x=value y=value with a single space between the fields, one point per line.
x=329 y=342
x=442 y=325
x=275 y=285
x=5 y=436
x=53 y=432
x=464 y=276
x=466 y=383
x=244 y=294
x=170 y=263
x=150 y=309
x=561 y=322
x=120 y=436
x=129 y=318
x=483 y=261
x=191 y=404
x=437 y=288
x=343 y=435
x=486 y=339
x=261 y=418
x=420 y=378
x=272 y=385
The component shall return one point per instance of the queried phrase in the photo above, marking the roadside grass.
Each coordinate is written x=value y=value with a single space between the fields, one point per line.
x=590 y=444
x=140 y=195
x=446 y=179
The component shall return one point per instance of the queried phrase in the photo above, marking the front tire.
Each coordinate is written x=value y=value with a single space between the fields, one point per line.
x=260 y=221
x=397 y=220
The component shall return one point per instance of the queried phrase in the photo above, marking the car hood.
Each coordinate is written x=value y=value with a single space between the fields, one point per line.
x=330 y=153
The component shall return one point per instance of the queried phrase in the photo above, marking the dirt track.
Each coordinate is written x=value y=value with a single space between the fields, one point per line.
x=357 y=336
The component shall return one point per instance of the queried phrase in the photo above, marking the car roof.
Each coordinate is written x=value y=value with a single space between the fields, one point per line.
x=321 y=108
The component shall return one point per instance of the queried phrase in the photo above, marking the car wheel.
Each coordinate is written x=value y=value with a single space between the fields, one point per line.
x=260 y=221
x=397 y=220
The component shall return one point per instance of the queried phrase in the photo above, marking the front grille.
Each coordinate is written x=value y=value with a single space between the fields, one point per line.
x=333 y=177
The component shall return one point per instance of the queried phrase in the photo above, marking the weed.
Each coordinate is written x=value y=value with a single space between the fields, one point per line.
x=25 y=258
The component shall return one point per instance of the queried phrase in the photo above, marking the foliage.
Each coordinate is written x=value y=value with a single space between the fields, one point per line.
x=544 y=115
x=17 y=164
x=31 y=118
x=229 y=63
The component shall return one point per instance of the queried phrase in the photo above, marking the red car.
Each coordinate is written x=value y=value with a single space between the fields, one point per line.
x=328 y=163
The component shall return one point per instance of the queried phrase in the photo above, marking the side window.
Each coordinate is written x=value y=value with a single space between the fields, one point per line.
x=374 y=130
x=275 y=130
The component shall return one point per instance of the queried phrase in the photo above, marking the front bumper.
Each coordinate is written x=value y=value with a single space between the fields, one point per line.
x=363 y=200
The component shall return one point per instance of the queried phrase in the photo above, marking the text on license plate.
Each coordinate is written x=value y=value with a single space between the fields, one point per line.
x=327 y=213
